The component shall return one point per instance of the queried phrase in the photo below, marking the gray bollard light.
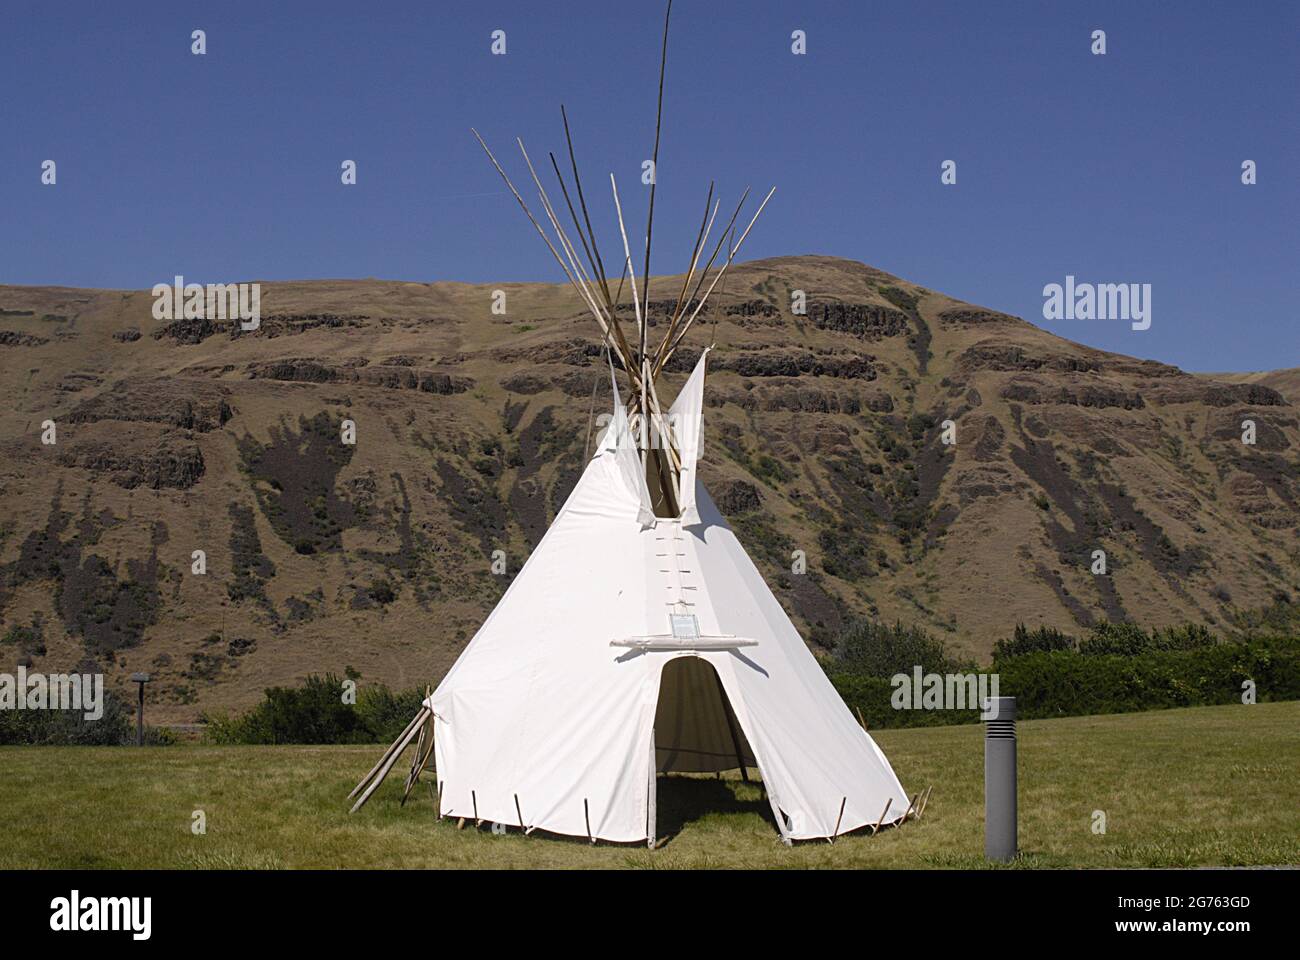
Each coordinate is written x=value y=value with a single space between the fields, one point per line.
x=1000 y=780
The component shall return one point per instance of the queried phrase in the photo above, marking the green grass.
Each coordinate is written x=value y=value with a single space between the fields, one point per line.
x=1201 y=786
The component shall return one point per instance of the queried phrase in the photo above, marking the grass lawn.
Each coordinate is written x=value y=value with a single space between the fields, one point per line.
x=1202 y=786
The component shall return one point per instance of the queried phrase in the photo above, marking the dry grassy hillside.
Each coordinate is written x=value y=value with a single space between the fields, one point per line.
x=823 y=435
x=1286 y=382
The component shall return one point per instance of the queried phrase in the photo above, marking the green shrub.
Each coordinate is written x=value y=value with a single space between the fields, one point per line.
x=1065 y=682
x=869 y=699
x=771 y=471
x=316 y=713
x=1129 y=639
x=154 y=736
x=385 y=714
x=919 y=424
x=1023 y=640
x=1187 y=636
x=312 y=713
x=874 y=649
x=69 y=727
x=1115 y=638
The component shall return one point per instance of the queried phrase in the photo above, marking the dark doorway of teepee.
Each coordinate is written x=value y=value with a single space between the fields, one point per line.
x=706 y=767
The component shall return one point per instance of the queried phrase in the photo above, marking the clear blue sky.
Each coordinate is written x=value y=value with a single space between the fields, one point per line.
x=1122 y=168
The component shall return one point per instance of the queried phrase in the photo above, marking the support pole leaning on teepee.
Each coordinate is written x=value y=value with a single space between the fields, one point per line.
x=394 y=752
x=423 y=750
x=391 y=747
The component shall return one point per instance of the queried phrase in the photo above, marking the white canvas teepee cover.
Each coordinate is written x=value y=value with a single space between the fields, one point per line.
x=686 y=417
x=548 y=718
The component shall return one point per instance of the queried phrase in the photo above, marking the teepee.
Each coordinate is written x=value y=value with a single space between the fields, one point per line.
x=639 y=638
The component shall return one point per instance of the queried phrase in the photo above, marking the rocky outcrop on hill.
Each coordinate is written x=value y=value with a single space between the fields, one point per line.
x=309 y=370
x=1187 y=389
x=1079 y=395
x=993 y=355
x=791 y=397
x=152 y=459
x=736 y=497
x=192 y=331
x=973 y=316
x=574 y=352
x=867 y=321
x=193 y=405
x=11 y=338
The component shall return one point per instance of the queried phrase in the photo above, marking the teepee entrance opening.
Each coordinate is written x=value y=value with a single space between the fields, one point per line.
x=696 y=730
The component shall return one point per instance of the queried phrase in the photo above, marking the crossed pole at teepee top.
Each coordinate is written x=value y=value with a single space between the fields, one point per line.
x=586 y=272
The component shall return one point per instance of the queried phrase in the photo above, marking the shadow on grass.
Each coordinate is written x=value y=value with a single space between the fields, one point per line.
x=683 y=801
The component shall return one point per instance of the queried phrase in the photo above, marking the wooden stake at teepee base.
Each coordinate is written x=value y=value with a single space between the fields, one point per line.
x=924 y=800
x=907 y=813
x=876 y=829
x=838 y=820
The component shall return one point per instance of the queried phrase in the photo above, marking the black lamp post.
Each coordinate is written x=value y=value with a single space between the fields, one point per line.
x=141 y=679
